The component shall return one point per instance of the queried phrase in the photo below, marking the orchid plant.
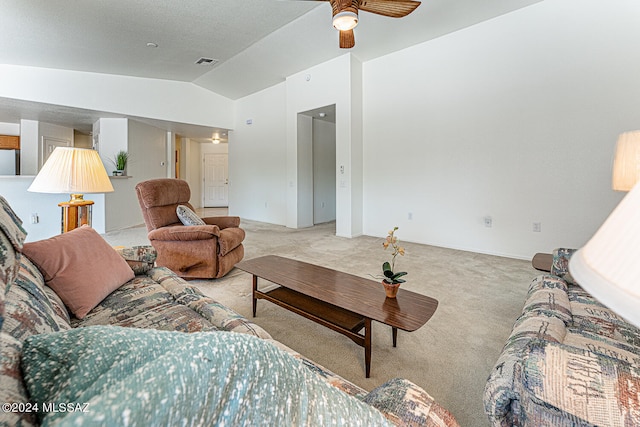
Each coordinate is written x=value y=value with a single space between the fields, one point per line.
x=388 y=268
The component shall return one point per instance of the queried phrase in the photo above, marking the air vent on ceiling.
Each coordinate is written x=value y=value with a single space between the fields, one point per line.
x=207 y=61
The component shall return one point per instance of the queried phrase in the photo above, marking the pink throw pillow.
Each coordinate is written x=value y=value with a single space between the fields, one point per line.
x=80 y=267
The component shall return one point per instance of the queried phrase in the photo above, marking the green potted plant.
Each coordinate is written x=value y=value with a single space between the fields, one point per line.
x=391 y=279
x=120 y=161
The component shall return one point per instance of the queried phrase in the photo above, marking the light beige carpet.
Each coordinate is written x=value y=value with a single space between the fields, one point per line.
x=451 y=356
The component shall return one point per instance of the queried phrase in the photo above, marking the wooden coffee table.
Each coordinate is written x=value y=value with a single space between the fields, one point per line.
x=342 y=302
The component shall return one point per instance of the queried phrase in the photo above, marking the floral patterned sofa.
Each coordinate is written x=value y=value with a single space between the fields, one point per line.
x=154 y=300
x=569 y=361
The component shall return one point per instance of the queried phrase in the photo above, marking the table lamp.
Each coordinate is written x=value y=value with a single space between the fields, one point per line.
x=608 y=265
x=75 y=171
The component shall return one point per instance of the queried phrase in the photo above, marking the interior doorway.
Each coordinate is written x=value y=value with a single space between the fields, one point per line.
x=317 y=165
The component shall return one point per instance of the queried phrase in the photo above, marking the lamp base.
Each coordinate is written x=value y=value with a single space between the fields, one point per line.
x=75 y=213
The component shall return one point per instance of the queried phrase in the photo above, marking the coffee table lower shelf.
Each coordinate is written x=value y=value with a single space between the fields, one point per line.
x=338 y=319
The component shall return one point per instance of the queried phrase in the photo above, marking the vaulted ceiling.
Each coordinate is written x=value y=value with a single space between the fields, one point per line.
x=256 y=43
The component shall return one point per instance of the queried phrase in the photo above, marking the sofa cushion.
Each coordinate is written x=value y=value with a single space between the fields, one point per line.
x=169 y=378
x=162 y=300
x=567 y=386
x=600 y=344
x=144 y=303
x=80 y=266
x=187 y=216
x=592 y=316
x=221 y=316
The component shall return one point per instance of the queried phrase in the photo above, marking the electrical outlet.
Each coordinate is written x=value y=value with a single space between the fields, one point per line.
x=537 y=227
x=34 y=218
x=488 y=221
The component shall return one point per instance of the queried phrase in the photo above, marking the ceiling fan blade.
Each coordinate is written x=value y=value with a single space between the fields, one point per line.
x=347 y=39
x=391 y=8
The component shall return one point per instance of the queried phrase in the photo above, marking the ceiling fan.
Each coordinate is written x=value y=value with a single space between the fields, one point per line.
x=345 y=14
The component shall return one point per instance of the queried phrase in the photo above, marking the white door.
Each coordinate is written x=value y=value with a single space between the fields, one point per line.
x=216 y=180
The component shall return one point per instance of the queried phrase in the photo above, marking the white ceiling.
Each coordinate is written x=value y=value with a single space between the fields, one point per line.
x=258 y=43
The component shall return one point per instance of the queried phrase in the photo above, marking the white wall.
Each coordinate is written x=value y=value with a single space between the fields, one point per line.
x=152 y=98
x=112 y=136
x=24 y=203
x=29 y=143
x=334 y=82
x=515 y=118
x=147 y=151
x=257 y=157
x=44 y=206
x=194 y=173
x=12 y=129
x=266 y=162
x=304 y=171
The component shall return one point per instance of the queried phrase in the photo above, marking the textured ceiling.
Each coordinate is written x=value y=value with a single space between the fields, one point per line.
x=258 y=43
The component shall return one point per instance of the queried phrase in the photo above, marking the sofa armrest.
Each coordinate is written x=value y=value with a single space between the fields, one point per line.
x=502 y=398
x=223 y=221
x=140 y=258
x=406 y=404
x=579 y=386
x=184 y=233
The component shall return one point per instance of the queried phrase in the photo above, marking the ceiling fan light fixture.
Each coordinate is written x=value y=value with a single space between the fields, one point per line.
x=345 y=21
x=216 y=141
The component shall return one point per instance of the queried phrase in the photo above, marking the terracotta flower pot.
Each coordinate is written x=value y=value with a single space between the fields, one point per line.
x=391 y=289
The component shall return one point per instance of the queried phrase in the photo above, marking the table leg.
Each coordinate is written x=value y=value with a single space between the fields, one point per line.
x=255 y=288
x=394 y=332
x=367 y=346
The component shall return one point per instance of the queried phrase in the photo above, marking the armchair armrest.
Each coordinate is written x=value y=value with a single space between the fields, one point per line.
x=184 y=233
x=580 y=386
x=223 y=221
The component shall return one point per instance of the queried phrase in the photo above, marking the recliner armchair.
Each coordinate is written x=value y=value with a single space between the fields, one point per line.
x=195 y=251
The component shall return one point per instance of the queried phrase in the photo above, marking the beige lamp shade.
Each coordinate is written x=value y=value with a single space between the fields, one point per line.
x=608 y=266
x=72 y=170
x=626 y=163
